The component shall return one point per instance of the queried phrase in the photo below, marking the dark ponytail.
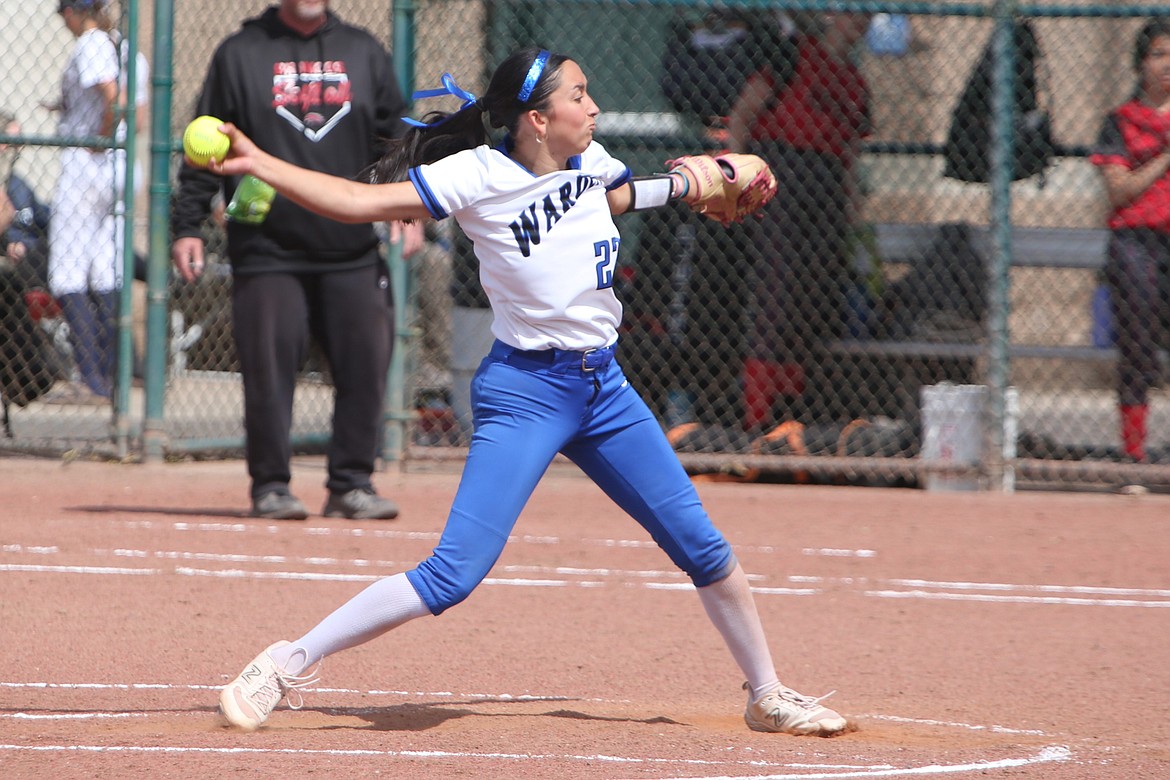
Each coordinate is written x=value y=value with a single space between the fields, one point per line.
x=443 y=134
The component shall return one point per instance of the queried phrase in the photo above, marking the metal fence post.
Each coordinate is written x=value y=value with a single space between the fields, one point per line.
x=1002 y=156
x=397 y=412
x=158 y=260
x=125 y=343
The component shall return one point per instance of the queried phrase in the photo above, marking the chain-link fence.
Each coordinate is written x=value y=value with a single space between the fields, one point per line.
x=916 y=306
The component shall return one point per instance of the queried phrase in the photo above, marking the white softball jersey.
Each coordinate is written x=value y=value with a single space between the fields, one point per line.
x=94 y=61
x=83 y=234
x=547 y=245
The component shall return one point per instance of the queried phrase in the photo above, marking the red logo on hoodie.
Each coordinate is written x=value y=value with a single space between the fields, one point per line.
x=311 y=96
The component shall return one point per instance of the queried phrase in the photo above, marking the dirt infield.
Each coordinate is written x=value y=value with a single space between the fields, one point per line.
x=968 y=635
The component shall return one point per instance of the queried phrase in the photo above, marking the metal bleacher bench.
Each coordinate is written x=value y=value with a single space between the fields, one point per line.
x=1031 y=247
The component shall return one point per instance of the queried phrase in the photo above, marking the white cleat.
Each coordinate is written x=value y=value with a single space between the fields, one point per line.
x=784 y=711
x=247 y=701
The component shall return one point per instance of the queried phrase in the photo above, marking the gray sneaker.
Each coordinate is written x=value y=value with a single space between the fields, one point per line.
x=360 y=504
x=279 y=506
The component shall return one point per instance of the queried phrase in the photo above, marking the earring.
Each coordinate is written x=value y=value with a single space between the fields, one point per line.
x=539 y=140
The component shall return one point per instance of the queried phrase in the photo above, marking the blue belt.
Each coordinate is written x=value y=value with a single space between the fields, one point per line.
x=586 y=361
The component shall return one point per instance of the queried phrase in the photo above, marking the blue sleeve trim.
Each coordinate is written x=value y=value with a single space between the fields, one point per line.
x=619 y=181
x=424 y=192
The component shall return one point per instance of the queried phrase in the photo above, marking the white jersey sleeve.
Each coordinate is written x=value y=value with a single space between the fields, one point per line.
x=609 y=169
x=453 y=183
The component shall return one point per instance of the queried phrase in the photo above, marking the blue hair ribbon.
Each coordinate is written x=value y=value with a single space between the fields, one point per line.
x=449 y=88
x=533 y=76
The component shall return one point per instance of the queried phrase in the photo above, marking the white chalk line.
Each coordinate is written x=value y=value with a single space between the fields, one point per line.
x=1039 y=588
x=73 y=715
x=819 y=770
x=492 y=698
x=457 y=695
x=989 y=597
x=43 y=569
x=951 y=724
x=948 y=591
x=415 y=695
x=1052 y=753
x=905 y=588
x=600 y=757
x=383 y=753
x=902 y=588
x=431 y=536
x=823 y=771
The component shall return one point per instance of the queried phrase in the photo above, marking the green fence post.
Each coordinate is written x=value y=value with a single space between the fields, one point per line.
x=158 y=260
x=125 y=348
x=1002 y=157
x=397 y=412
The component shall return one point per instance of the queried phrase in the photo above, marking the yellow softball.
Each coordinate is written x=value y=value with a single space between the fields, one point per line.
x=202 y=140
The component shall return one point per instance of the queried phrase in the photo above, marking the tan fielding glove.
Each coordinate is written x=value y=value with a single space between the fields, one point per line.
x=730 y=186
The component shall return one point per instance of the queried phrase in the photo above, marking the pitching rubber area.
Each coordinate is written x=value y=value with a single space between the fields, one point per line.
x=967 y=635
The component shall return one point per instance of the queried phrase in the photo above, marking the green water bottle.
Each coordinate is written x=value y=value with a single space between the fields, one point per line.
x=251 y=201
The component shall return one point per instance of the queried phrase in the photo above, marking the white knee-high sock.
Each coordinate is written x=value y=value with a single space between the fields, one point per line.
x=731 y=607
x=386 y=604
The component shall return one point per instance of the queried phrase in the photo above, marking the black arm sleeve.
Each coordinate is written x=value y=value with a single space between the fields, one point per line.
x=192 y=202
x=192 y=199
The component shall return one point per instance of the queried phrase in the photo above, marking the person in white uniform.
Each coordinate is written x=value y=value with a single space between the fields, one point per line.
x=539 y=210
x=85 y=270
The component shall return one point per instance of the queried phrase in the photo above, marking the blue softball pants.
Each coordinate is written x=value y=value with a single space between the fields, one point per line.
x=527 y=407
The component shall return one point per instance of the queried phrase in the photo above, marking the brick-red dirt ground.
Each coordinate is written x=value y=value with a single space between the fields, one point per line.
x=967 y=635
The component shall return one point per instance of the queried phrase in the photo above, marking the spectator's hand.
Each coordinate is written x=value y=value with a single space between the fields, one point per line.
x=411 y=234
x=187 y=257
x=16 y=251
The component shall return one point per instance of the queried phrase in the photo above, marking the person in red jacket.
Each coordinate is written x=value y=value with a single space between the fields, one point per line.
x=1133 y=156
x=809 y=130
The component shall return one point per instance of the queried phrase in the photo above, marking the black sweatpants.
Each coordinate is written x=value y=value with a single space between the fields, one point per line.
x=1138 y=273
x=351 y=315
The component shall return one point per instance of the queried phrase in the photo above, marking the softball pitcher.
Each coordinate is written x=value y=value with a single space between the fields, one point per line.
x=539 y=208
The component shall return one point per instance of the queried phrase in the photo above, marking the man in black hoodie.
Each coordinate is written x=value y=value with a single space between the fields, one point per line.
x=320 y=93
